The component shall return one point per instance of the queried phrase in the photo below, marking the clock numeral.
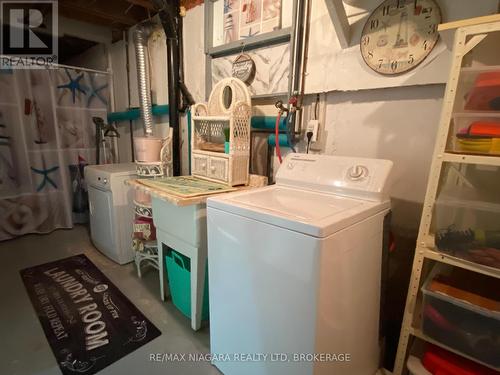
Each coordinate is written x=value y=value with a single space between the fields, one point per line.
x=417 y=9
x=427 y=12
x=394 y=65
x=380 y=62
x=432 y=29
x=425 y=45
x=374 y=24
x=370 y=54
x=411 y=59
x=365 y=40
x=385 y=10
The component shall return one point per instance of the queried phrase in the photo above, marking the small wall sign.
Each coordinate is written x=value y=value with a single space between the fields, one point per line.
x=244 y=68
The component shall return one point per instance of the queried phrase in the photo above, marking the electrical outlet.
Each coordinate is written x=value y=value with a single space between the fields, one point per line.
x=312 y=126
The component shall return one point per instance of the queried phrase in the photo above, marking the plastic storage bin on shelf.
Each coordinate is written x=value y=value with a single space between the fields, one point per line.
x=461 y=309
x=474 y=134
x=485 y=94
x=179 y=280
x=442 y=362
x=478 y=89
x=467 y=214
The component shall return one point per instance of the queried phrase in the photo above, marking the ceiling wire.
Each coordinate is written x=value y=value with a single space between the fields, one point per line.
x=128 y=8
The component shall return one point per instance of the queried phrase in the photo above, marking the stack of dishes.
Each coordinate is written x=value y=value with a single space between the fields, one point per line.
x=480 y=137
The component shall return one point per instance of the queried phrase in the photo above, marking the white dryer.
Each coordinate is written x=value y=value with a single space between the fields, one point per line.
x=295 y=270
x=111 y=209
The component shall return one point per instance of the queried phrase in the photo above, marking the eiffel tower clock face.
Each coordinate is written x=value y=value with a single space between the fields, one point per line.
x=399 y=35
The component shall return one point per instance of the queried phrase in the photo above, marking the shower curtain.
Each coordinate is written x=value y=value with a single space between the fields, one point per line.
x=46 y=138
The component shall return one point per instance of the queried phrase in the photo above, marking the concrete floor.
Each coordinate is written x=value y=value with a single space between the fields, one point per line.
x=24 y=349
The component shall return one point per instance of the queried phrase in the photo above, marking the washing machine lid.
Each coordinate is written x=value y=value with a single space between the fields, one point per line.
x=313 y=213
x=118 y=169
x=353 y=177
x=102 y=176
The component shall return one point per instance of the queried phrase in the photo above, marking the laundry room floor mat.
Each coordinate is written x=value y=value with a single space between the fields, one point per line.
x=88 y=322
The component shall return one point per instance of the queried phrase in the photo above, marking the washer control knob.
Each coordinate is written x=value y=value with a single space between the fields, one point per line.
x=290 y=165
x=357 y=172
x=105 y=181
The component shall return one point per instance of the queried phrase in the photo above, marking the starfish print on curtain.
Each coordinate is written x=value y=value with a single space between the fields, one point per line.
x=94 y=91
x=45 y=173
x=73 y=85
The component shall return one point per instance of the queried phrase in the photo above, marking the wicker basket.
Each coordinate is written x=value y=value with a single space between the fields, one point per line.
x=226 y=114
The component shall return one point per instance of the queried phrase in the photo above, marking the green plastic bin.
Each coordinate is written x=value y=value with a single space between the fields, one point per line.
x=179 y=279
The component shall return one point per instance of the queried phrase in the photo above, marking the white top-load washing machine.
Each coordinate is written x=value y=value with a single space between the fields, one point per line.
x=111 y=209
x=295 y=270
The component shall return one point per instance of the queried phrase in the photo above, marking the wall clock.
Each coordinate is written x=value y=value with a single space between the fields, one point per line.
x=399 y=35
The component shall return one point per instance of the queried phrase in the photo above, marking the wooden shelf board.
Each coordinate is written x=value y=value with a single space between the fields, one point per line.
x=492 y=114
x=470 y=32
x=461 y=263
x=472 y=159
x=469 y=22
x=480 y=69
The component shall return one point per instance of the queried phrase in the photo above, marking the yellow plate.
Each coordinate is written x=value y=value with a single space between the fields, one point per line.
x=491 y=146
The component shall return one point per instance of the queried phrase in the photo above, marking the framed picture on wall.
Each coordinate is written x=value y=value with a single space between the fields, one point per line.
x=235 y=20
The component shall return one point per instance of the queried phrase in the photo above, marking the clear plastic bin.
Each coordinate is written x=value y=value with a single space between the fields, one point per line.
x=475 y=134
x=478 y=89
x=462 y=325
x=467 y=213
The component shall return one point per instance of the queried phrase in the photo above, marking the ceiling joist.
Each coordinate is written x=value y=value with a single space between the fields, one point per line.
x=119 y=14
x=340 y=22
x=142 y=3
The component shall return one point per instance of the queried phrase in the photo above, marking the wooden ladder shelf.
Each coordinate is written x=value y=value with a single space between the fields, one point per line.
x=471 y=56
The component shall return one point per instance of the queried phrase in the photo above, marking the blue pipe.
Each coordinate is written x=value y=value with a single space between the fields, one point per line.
x=135 y=114
x=258 y=122
x=283 y=140
x=268 y=122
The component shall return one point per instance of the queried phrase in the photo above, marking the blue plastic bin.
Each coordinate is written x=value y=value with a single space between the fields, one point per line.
x=179 y=279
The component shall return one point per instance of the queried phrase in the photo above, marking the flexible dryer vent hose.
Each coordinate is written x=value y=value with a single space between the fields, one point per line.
x=141 y=35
